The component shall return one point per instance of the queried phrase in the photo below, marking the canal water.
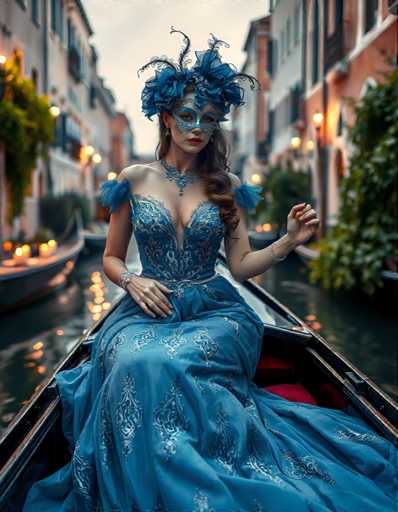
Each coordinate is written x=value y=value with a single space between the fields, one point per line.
x=34 y=340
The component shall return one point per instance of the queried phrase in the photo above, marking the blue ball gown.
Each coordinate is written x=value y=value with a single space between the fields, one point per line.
x=165 y=415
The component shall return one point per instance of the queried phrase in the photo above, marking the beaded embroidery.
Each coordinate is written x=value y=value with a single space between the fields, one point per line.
x=357 y=436
x=201 y=502
x=174 y=341
x=83 y=477
x=106 y=439
x=169 y=419
x=256 y=462
x=306 y=466
x=128 y=414
x=222 y=446
x=208 y=346
x=142 y=339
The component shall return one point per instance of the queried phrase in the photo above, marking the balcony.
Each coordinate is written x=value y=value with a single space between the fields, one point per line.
x=334 y=49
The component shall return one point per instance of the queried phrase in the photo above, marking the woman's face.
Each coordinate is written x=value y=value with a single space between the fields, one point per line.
x=186 y=123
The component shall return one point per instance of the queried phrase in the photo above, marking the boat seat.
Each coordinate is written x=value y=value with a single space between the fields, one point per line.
x=272 y=369
x=292 y=392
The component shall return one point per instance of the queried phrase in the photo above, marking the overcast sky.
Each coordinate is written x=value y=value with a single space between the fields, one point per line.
x=128 y=33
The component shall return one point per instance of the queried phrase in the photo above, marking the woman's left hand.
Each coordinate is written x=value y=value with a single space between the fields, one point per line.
x=302 y=222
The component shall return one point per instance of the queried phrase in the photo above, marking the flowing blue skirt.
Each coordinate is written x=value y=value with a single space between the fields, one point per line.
x=165 y=417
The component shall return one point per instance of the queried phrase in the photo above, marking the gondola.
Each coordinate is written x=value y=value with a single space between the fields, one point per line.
x=21 y=286
x=95 y=239
x=296 y=363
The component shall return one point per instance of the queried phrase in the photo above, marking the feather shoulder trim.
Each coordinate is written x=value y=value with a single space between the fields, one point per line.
x=248 y=196
x=114 y=193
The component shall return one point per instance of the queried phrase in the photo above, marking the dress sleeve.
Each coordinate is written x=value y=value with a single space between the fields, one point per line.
x=114 y=193
x=247 y=195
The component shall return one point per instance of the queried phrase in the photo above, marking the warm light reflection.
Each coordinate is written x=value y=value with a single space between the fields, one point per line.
x=38 y=345
x=99 y=300
x=41 y=369
x=7 y=245
x=256 y=178
x=295 y=142
x=97 y=158
x=258 y=228
x=111 y=175
x=96 y=316
x=3 y=59
x=55 y=111
x=317 y=118
x=35 y=355
x=106 y=305
x=267 y=227
x=44 y=250
x=310 y=317
x=69 y=265
x=310 y=145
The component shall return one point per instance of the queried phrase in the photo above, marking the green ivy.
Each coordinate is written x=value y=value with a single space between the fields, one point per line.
x=355 y=251
x=284 y=187
x=26 y=129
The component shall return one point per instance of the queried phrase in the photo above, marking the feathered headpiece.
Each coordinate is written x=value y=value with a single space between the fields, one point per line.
x=214 y=81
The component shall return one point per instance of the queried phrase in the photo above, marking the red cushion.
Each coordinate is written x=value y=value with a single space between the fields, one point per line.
x=292 y=392
x=271 y=362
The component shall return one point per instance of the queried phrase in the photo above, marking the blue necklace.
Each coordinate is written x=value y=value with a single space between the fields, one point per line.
x=181 y=179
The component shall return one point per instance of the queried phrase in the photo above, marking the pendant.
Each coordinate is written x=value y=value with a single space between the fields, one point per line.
x=172 y=174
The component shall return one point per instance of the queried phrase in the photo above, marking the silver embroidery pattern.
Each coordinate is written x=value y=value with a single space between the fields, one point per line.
x=222 y=446
x=254 y=460
x=208 y=346
x=301 y=467
x=106 y=439
x=142 y=338
x=128 y=414
x=119 y=339
x=160 y=252
x=173 y=341
x=357 y=436
x=169 y=419
x=83 y=477
x=201 y=502
x=251 y=407
x=199 y=385
x=234 y=324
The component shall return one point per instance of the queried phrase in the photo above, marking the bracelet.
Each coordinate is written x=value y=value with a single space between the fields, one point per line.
x=125 y=277
x=274 y=256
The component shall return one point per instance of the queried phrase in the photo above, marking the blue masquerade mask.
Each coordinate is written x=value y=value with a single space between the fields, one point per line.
x=188 y=118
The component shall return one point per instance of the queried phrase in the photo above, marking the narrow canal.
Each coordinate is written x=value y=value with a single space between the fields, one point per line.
x=34 y=340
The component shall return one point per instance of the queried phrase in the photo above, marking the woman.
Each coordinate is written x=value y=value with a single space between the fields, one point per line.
x=165 y=415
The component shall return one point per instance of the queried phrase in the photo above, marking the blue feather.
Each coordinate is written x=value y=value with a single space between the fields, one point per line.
x=248 y=196
x=113 y=193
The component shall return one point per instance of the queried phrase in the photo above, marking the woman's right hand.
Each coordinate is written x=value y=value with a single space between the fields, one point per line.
x=149 y=295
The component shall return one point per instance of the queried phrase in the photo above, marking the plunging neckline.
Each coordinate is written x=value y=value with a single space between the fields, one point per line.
x=167 y=212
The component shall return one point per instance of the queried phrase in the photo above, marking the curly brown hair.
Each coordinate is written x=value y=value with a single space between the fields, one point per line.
x=213 y=168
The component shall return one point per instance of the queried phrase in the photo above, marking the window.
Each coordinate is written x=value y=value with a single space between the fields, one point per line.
x=54 y=15
x=35 y=11
x=296 y=23
x=57 y=17
x=371 y=8
x=315 y=42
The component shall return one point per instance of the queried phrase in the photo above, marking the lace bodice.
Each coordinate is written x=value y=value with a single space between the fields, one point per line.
x=163 y=254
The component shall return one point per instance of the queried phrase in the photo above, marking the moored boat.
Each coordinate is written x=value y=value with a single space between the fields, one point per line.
x=20 y=285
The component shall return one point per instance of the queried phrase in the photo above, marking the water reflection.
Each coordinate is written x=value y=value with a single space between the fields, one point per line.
x=365 y=331
x=34 y=340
